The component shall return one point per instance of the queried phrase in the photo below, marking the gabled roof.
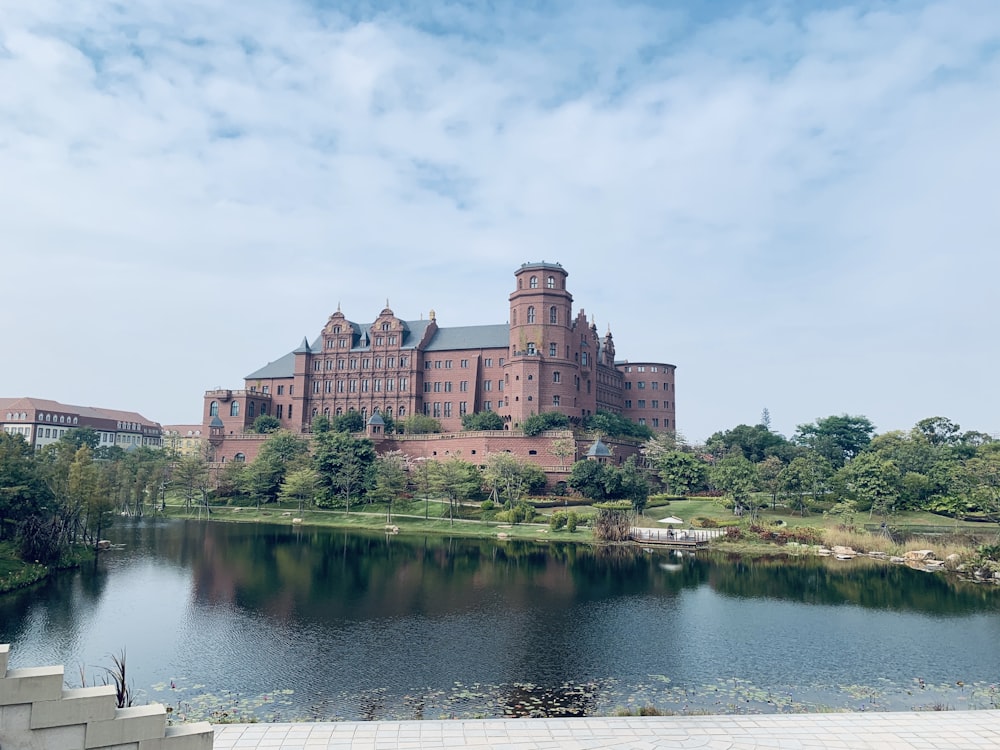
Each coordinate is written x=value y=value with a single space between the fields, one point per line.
x=598 y=450
x=444 y=339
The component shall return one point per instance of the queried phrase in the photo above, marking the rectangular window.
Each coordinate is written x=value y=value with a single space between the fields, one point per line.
x=340 y=386
x=437 y=364
x=447 y=364
x=641 y=369
x=427 y=410
x=353 y=386
x=366 y=364
x=427 y=364
x=341 y=364
x=447 y=408
x=642 y=421
x=437 y=387
x=354 y=363
x=556 y=377
x=328 y=386
x=404 y=383
x=463 y=386
x=488 y=362
x=378 y=363
x=500 y=362
x=628 y=403
x=656 y=422
x=291 y=392
x=378 y=341
x=391 y=363
x=329 y=364
x=555 y=400
x=437 y=409
x=465 y=363
x=290 y=411
x=279 y=411
x=343 y=343
x=315 y=386
x=552 y=350
x=281 y=390
x=487 y=406
x=447 y=387
x=656 y=404
x=499 y=385
x=654 y=385
x=404 y=361
x=392 y=340
x=487 y=385
x=463 y=407
x=427 y=386
x=628 y=386
x=389 y=383
x=642 y=403
x=378 y=384
x=641 y=385
x=317 y=365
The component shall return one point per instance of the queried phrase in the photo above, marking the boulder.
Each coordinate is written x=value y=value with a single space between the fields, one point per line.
x=896 y=559
x=919 y=555
x=823 y=552
x=104 y=544
x=296 y=520
x=843 y=553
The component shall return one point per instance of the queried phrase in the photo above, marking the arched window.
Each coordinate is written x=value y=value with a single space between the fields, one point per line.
x=553 y=315
x=340 y=410
x=551 y=282
x=250 y=409
x=234 y=409
x=240 y=458
x=531 y=347
x=533 y=283
x=513 y=317
x=402 y=411
x=531 y=314
x=556 y=377
x=336 y=329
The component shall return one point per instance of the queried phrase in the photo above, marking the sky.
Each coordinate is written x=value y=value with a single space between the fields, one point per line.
x=796 y=203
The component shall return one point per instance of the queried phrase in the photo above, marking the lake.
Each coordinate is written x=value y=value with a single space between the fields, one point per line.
x=231 y=621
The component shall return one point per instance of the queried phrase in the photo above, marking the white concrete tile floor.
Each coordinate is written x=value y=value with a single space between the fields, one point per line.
x=945 y=730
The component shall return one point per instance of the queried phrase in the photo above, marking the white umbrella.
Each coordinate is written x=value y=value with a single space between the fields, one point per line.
x=670 y=519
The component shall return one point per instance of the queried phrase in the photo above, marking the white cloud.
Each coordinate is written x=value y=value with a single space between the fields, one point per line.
x=796 y=208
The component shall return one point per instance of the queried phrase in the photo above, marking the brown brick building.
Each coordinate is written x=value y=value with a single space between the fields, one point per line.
x=546 y=359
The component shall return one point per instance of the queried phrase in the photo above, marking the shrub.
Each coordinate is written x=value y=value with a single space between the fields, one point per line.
x=571 y=521
x=734 y=533
x=706 y=523
x=487 y=505
x=557 y=520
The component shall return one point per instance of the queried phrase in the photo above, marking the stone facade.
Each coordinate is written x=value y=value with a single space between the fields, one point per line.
x=37 y=712
x=545 y=359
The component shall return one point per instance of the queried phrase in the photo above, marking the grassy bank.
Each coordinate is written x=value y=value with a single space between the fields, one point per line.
x=16 y=573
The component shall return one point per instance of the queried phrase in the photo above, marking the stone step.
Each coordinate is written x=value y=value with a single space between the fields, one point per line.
x=30 y=685
x=129 y=725
x=198 y=736
x=76 y=706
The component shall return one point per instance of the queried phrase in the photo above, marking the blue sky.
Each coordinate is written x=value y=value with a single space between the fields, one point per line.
x=795 y=203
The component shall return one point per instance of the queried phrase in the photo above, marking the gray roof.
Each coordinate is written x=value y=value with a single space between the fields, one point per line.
x=470 y=337
x=376 y=419
x=444 y=339
x=599 y=449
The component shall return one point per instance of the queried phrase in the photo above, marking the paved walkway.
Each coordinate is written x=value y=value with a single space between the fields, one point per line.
x=961 y=730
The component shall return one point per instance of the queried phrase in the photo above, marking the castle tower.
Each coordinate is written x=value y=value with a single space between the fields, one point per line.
x=539 y=369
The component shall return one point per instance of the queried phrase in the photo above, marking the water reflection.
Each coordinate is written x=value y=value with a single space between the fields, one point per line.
x=292 y=622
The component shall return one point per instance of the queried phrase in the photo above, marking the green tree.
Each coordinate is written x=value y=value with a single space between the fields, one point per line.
x=420 y=424
x=483 y=420
x=875 y=484
x=81 y=436
x=681 y=473
x=190 y=476
x=837 y=438
x=804 y=476
x=633 y=485
x=754 y=443
x=265 y=424
x=563 y=448
x=509 y=479
x=390 y=479
x=455 y=480
x=589 y=479
x=262 y=479
x=538 y=423
x=22 y=492
x=352 y=421
x=737 y=477
x=300 y=486
x=343 y=463
x=615 y=425
x=769 y=472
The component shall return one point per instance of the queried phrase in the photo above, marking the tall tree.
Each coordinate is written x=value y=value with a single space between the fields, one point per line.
x=343 y=463
x=837 y=438
x=455 y=480
x=300 y=486
x=389 y=479
x=737 y=477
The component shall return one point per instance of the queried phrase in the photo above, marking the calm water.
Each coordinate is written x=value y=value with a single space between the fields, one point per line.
x=304 y=623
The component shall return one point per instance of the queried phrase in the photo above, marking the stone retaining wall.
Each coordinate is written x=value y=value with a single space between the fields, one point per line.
x=38 y=713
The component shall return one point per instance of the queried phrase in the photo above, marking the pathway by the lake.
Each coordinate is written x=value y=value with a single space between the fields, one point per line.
x=931 y=730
